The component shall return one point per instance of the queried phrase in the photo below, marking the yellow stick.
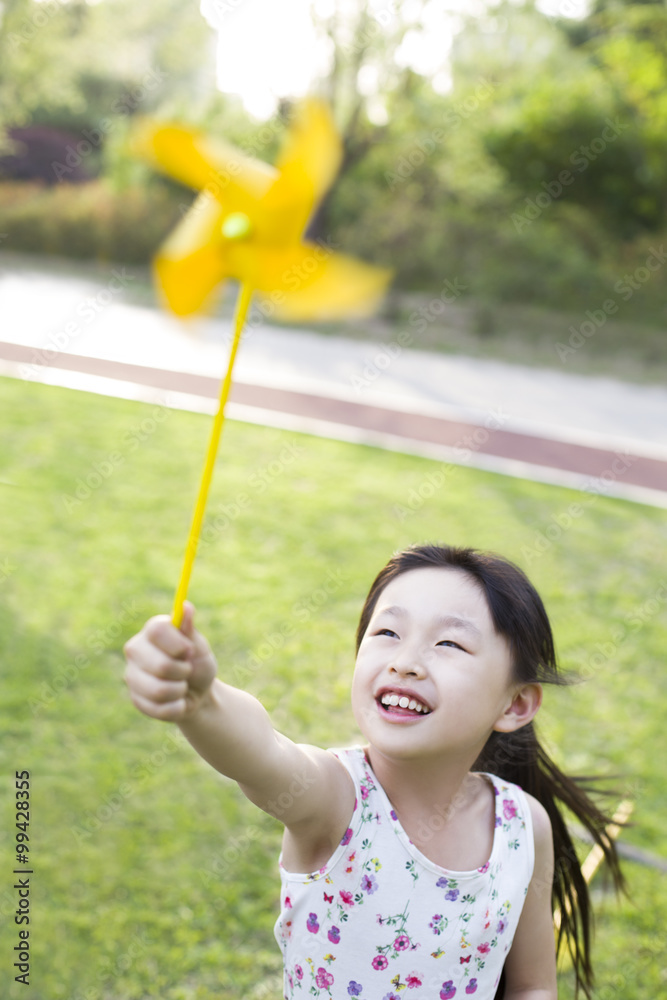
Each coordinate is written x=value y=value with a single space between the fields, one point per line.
x=242 y=306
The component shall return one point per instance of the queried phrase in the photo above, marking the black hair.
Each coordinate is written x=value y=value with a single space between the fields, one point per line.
x=519 y=615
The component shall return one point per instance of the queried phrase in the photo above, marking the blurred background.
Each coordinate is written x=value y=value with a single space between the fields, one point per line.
x=509 y=162
x=518 y=146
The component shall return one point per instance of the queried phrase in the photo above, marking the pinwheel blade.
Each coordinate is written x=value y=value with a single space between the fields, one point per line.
x=192 y=262
x=236 y=181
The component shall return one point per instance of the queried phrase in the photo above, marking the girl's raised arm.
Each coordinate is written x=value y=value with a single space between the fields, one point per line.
x=171 y=675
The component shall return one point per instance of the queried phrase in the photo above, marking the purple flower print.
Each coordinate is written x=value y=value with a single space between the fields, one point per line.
x=323 y=979
x=442 y=883
x=312 y=923
x=334 y=935
x=448 y=990
x=354 y=989
x=499 y=821
x=452 y=895
x=402 y=942
x=391 y=996
x=379 y=962
x=393 y=816
x=347 y=837
x=369 y=884
x=501 y=927
x=472 y=986
x=299 y=971
x=509 y=809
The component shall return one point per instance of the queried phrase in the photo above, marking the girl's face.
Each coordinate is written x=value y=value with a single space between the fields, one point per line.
x=432 y=676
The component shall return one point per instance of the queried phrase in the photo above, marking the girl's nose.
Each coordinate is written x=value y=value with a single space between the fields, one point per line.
x=407 y=664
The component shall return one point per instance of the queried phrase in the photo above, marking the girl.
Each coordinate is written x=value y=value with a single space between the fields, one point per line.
x=423 y=859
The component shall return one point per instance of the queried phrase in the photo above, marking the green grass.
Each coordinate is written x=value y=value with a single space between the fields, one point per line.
x=154 y=877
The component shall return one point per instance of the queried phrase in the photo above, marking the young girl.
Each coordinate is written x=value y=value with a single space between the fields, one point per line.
x=424 y=859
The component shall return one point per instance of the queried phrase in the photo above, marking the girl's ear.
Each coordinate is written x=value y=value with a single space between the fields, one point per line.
x=521 y=710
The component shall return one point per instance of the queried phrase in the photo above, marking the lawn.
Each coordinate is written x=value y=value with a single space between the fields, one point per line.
x=153 y=876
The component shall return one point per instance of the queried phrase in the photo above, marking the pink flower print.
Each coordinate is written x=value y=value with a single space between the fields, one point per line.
x=393 y=816
x=413 y=980
x=323 y=979
x=299 y=971
x=501 y=927
x=346 y=897
x=369 y=884
x=347 y=837
x=484 y=868
x=354 y=989
x=379 y=962
x=402 y=942
x=334 y=935
x=509 y=809
x=448 y=990
x=472 y=986
x=364 y=792
x=312 y=923
x=484 y=949
x=288 y=903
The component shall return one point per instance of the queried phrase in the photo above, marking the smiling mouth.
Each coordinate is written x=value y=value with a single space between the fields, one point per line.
x=401 y=705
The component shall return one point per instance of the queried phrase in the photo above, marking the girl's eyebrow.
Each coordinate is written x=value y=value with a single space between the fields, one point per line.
x=444 y=621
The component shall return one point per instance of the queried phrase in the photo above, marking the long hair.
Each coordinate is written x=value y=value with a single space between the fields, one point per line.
x=518 y=614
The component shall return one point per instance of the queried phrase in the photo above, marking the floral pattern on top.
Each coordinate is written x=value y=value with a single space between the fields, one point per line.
x=380 y=921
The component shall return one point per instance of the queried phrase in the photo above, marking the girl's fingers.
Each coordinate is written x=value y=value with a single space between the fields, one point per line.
x=171 y=711
x=154 y=689
x=155 y=661
x=160 y=632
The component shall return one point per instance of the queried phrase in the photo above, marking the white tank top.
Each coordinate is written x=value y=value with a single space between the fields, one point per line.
x=380 y=920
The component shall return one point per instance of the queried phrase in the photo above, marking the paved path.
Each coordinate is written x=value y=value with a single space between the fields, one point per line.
x=597 y=434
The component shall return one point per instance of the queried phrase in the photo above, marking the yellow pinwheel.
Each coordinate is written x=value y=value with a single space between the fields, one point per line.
x=247 y=223
x=249 y=219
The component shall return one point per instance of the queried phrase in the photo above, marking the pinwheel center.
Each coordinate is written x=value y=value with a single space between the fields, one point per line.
x=237 y=226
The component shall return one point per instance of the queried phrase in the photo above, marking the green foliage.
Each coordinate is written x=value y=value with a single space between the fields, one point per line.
x=90 y=221
x=154 y=876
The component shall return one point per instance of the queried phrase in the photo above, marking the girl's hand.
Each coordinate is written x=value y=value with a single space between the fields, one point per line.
x=169 y=671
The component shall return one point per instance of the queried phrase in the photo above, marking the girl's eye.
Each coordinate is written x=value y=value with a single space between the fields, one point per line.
x=385 y=631
x=449 y=642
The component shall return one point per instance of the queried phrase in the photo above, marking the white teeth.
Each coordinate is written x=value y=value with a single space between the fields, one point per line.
x=404 y=702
